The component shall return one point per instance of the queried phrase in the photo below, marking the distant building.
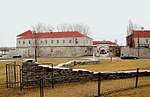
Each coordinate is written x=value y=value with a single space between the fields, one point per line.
x=103 y=47
x=139 y=38
x=54 y=44
x=138 y=43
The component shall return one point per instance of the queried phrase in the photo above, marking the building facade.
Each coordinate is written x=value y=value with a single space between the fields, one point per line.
x=103 y=47
x=138 y=44
x=54 y=44
x=139 y=38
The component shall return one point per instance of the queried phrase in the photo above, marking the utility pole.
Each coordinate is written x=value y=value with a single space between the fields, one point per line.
x=138 y=43
x=35 y=46
x=35 y=53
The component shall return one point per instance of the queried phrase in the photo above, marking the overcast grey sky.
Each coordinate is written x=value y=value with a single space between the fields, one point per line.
x=107 y=19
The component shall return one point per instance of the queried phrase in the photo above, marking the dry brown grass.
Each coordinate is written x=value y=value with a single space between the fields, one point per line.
x=87 y=89
x=136 y=92
x=107 y=65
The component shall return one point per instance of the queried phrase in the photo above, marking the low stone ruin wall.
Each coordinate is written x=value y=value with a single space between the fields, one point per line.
x=33 y=72
x=76 y=63
x=123 y=74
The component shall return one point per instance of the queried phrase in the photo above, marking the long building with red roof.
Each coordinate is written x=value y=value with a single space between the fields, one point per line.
x=28 y=34
x=54 y=44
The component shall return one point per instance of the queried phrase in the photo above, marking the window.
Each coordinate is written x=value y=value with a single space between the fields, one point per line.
x=69 y=41
x=85 y=51
x=52 y=41
x=76 y=41
x=63 y=41
x=19 y=42
x=29 y=42
x=51 y=50
x=57 y=41
x=45 y=41
x=146 y=40
x=23 y=42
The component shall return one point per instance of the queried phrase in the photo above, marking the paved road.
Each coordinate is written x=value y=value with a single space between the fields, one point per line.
x=7 y=60
x=83 y=58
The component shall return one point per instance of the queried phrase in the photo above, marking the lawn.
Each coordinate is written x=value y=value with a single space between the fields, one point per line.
x=87 y=89
x=107 y=65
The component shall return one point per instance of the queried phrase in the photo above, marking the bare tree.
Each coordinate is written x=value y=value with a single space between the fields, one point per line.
x=132 y=26
x=39 y=28
x=84 y=29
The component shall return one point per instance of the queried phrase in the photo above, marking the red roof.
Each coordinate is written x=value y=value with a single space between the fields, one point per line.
x=25 y=33
x=103 y=42
x=94 y=42
x=139 y=33
x=29 y=34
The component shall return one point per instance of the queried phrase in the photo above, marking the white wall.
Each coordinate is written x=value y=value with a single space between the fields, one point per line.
x=56 y=51
x=82 y=41
x=143 y=52
x=141 y=41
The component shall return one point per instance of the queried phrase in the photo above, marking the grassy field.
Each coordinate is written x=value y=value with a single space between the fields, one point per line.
x=107 y=65
x=136 y=92
x=88 y=89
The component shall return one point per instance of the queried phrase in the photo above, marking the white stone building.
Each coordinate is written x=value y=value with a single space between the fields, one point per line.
x=54 y=44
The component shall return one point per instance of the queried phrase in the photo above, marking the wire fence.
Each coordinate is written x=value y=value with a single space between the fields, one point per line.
x=116 y=85
x=101 y=86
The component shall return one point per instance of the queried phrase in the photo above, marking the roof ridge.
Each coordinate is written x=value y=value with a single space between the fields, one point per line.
x=29 y=34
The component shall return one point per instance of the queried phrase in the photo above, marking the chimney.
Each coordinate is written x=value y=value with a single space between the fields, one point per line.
x=142 y=28
x=116 y=41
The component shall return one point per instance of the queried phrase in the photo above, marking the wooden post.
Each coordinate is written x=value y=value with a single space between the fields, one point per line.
x=41 y=88
x=7 y=75
x=137 y=75
x=99 y=84
x=52 y=76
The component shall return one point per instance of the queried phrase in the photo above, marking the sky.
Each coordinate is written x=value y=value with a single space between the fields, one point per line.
x=107 y=19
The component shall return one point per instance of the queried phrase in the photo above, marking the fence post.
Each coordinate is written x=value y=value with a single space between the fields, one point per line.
x=41 y=88
x=21 y=83
x=52 y=76
x=137 y=75
x=14 y=73
x=99 y=84
x=7 y=75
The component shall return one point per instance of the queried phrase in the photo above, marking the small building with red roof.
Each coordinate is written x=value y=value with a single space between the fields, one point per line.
x=54 y=44
x=138 y=38
x=103 y=47
x=138 y=43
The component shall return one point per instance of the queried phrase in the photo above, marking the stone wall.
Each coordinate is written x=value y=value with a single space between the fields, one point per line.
x=143 y=52
x=76 y=63
x=56 y=51
x=33 y=72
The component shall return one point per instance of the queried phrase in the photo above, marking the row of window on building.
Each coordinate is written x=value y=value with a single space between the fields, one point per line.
x=45 y=41
x=143 y=41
